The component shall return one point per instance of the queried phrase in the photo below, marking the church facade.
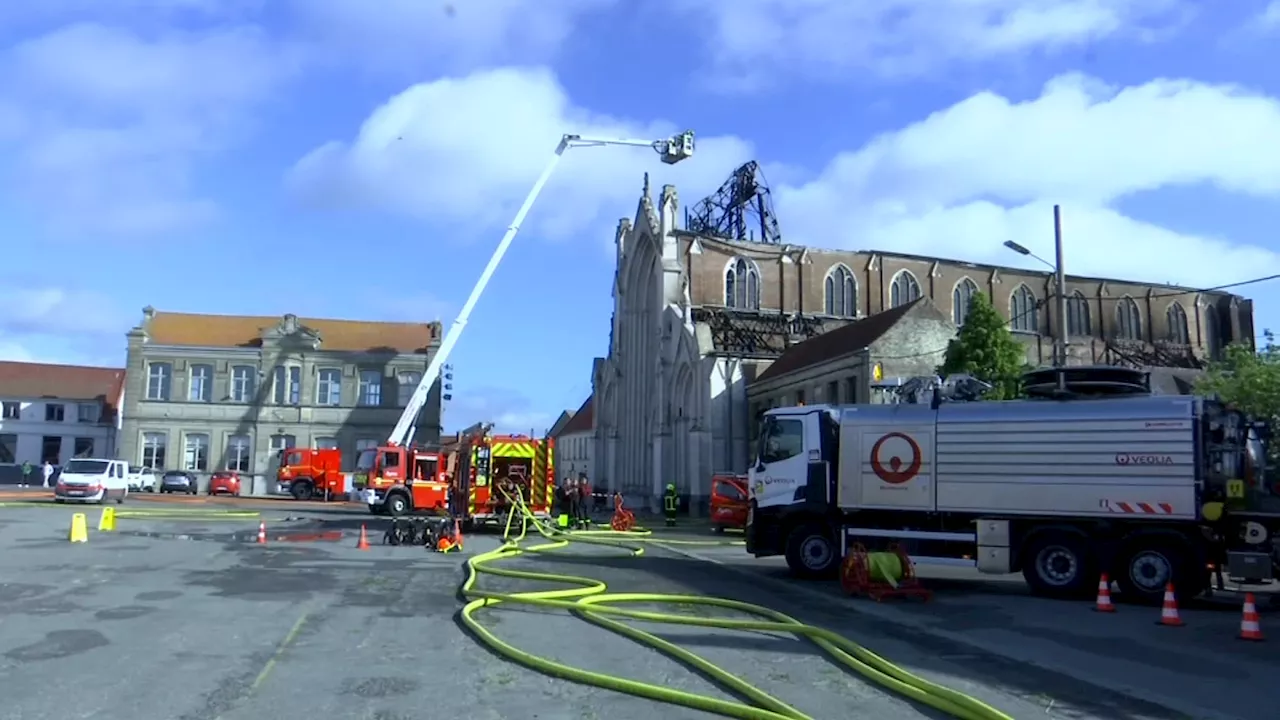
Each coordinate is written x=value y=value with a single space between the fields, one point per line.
x=697 y=319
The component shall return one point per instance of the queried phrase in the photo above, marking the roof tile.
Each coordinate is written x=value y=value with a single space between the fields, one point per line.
x=581 y=420
x=225 y=331
x=850 y=338
x=64 y=382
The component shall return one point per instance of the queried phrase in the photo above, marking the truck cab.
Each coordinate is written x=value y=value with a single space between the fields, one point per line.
x=400 y=480
x=791 y=488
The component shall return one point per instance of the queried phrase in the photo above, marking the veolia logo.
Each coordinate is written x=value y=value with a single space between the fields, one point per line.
x=1135 y=459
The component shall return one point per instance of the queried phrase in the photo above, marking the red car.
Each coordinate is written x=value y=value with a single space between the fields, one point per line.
x=728 y=502
x=224 y=483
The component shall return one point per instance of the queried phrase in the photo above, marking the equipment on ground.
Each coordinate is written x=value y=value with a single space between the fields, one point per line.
x=1150 y=489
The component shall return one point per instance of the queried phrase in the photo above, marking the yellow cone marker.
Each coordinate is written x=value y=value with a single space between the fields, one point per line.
x=107 y=522
x=79 y=528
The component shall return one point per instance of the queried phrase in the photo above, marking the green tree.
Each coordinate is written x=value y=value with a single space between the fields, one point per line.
x=1246 y=378
x=985 y=349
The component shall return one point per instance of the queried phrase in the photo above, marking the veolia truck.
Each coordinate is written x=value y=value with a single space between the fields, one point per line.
x=1147 y=488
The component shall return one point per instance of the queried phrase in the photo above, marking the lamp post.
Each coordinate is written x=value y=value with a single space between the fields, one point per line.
x=1060 y=357
x=672 y=150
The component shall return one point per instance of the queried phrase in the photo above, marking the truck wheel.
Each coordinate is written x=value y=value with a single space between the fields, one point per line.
x=397 y=504
x=1149 y=561
x=302 y=490
x=1060 y=565
x=812 y=553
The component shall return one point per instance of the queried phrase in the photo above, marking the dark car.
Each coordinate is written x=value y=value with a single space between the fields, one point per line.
x=179 y=481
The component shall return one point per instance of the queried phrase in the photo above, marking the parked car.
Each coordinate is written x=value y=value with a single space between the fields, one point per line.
x=141 y=479
x=91 y=480
x=224 y=482
x=179 y=481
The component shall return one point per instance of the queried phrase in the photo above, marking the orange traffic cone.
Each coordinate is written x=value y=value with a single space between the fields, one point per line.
x=262 y=533
x=1169 y=612
x=1250 y=623
x=1104 y=596
x=363 y=543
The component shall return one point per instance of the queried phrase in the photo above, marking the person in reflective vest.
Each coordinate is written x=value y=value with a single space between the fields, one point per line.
x=670 y=501
x=566 y=493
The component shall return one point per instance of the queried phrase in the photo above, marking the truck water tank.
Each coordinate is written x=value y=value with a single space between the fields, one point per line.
x=1087 y=381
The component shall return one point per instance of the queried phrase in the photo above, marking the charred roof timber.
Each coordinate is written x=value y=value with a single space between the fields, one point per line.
x=755 y=334
x=740 y=209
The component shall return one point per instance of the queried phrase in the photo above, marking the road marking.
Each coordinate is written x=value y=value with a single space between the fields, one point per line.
x=284 y=645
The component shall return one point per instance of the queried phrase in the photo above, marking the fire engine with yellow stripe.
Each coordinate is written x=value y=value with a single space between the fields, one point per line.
x=463 y=478
x=487 y=469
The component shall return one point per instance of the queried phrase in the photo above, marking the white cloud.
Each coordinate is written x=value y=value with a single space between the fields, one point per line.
x=1268 y=20
x=12 y=351
x=405 y=37
x=467 y=150
x=753 y=41
x=508 y=410
x=104 y=126
x=985 y=170
x=57 y=325
x=957 y=183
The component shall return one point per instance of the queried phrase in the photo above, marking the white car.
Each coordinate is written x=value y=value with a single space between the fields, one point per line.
x=92 y=480
x=141 y=479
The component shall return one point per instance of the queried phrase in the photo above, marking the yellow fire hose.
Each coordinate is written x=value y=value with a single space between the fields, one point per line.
x=590 y=600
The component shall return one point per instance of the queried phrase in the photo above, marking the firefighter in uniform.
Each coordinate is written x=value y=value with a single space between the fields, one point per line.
x=584 y=502
x=670 y=502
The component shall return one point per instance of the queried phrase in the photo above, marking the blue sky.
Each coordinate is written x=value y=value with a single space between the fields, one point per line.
x=360 y=159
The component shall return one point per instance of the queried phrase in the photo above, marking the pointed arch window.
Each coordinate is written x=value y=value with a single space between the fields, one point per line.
x=961 y=296
x=1212 y=341
x=1128 y=320
x=1078 y=321
x=742 y=285
x=1179 y=332
x=841 y=292
x=904 y=289
x=1024 y=315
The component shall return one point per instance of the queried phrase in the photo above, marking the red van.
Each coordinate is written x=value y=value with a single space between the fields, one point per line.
x=728 y=502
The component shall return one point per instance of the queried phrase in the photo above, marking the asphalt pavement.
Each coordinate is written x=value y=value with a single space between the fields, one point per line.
x=189 y=619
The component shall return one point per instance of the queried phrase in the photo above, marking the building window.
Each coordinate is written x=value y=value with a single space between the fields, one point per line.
x=154 y=445
x=89 y=412
x=159 y=380
x=799 y=397
x=8 y=448
x=370 y=388
x=53 y=412
x=1078 y=322
x=200 y=385
x=287 y=385
x=1211 y=341
x=1024 y=315
x=961 y=297
x=51 y=449
x=406 y=383
x=329 y=387
x=242 y=383
x=851 y=390
x=833 y=392
x=195 y=452
x=239 y=450
x=742 y=285
x=325 y=443
x=11 y=411
x=1178 y=330
x=83 y=447
x=283 y=442
x=1128 y=320
x=841 y=292
x=904 y=289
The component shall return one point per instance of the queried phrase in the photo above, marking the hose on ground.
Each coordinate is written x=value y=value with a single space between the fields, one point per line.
x=590 y=600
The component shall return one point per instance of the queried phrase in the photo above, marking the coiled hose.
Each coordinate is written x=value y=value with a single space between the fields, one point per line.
x=591 y=600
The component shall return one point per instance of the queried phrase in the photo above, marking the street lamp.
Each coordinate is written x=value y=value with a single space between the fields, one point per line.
x=672 y=150
x=1059 y=280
